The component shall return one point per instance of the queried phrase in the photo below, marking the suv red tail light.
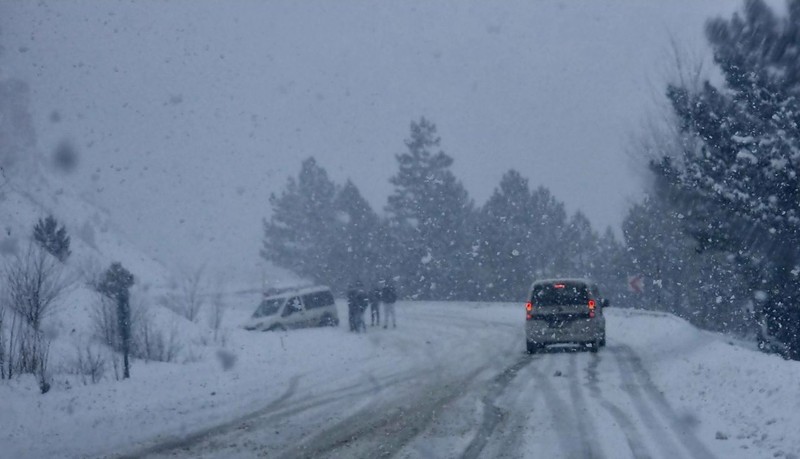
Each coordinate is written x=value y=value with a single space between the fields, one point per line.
x=591 y=308
x=529 y=311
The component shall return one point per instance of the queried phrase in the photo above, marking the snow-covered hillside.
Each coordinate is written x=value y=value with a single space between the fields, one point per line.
x=95 y=242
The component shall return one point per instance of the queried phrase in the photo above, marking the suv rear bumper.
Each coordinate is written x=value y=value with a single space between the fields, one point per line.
x=572 y=331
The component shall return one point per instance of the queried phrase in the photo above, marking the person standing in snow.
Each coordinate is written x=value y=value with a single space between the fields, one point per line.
x=363 y=304
x=389 y=297
x=352 y=306
x=357 y=303
x=375 y=305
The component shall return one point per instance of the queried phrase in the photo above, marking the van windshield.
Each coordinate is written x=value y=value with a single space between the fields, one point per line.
x=560 y=293
x=269 y=307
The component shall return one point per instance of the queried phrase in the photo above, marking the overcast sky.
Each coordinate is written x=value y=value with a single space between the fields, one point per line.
x=187 y=114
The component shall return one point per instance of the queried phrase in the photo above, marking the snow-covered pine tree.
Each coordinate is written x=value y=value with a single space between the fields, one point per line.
x=579 y=242
x=115 y=284
x=518 y=235
x=356 y=253
x=738 y=181
x=52 y=238
x=303 y=230
x=433 y=217
x=609 y=271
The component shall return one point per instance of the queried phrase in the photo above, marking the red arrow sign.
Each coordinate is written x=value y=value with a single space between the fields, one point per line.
x=636 y=283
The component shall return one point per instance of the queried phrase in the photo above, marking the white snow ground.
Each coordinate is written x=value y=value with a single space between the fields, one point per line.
x=451 y=381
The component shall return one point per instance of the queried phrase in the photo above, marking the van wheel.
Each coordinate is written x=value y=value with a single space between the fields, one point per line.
x=277 y=327
x=603 y=340
x=533 y=347
x=328 y=321
x=595 y=346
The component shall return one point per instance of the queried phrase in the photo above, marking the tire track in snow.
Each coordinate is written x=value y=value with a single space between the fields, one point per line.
x=275 y=411
x=186 y=441
x=659 y=432
x=383 y=430
x=564 y=420
x=492 y=414
x=632 y=434
x=580 y=406
x=678 y=425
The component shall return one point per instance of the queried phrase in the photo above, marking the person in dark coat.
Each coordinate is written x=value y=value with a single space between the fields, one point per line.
x=352 y=306
x=375 y=306
x=357 y=303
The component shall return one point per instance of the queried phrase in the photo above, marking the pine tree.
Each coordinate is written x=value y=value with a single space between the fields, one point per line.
x=357 y=253
x=51 y=238
x=115 y=284
x=518 y=232
x=738 y=182
x=580 y=245
x=432 y=216
x=706 y=288
x=609 y=269
x=303 y=230
x=657 y=250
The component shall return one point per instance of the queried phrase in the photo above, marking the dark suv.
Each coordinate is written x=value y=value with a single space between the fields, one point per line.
x=565 y=311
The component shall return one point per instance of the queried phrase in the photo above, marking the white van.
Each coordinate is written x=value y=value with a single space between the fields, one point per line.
x=307 y=307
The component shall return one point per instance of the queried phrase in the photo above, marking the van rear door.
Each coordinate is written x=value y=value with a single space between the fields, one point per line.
x=560 y=302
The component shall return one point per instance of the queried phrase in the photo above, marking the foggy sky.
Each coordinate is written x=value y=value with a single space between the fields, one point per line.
x=187 y=115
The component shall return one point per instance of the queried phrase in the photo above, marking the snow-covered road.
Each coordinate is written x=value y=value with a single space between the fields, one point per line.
x=454 y=381
x=451 y=381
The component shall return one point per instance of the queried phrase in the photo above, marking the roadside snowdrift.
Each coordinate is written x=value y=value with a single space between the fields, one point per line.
x=744 y=398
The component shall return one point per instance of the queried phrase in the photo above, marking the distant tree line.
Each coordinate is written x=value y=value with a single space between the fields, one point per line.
x=719 y=233
x=432 y=238
x=716 y=238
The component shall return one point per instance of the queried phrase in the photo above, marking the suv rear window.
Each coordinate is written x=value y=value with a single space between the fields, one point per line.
x=318 y=299
x=560 y=293
x=269 y=307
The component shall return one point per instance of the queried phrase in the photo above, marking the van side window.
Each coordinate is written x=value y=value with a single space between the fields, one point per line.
x=318 y=299
x=293 y=305
x=268 y=307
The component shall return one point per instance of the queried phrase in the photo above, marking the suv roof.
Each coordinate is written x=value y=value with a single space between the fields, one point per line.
x=565 y=280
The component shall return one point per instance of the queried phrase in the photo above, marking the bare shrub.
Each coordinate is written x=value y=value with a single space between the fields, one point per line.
x=215 y=316
x=188 y=300
x=34 y=282
x=103 y=316
x=89 y=363
x=3 y=339
x=153 y=343
x=25 y=351
x=9 y=343
x=43 y=376
x=148 y=341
